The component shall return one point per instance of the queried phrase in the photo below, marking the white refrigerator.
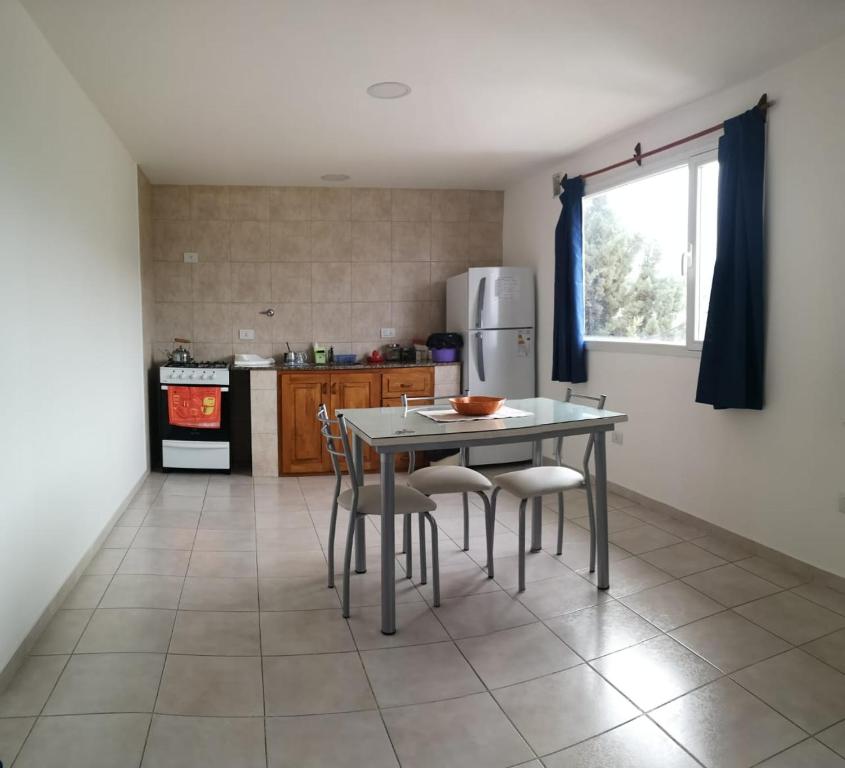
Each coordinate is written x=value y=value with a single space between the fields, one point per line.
x=493 y=310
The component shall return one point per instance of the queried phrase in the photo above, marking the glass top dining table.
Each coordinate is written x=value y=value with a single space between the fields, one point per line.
x=397 y=430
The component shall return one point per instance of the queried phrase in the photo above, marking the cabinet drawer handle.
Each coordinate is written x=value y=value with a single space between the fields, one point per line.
x=325 y=388
x=334 y=387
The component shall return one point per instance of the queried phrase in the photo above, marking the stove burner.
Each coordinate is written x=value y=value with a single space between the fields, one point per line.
x=198 y=364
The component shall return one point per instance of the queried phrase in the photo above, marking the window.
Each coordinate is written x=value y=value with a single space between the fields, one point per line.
x=649 y=250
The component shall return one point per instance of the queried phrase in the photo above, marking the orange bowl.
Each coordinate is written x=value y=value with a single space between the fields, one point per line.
x=476 y=405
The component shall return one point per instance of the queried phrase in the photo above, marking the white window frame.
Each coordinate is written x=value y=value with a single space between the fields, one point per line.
x=692 y=157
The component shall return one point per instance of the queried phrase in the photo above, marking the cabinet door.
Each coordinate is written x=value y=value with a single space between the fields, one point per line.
x=357 y=390
x=303 y=447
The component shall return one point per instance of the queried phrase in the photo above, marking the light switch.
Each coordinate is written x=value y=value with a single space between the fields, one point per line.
x=246 y=334
x=388 y=333
x=190 y=257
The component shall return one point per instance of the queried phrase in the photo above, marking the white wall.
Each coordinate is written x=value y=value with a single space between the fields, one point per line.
x=775 y=475
x=71 y=390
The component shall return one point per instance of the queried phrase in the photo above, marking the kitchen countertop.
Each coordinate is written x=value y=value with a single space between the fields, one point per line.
x=342 y=366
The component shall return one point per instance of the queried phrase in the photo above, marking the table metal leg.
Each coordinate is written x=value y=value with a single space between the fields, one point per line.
x=537 y=503
x=602 y=568
x=388 y=562
x=360 y=530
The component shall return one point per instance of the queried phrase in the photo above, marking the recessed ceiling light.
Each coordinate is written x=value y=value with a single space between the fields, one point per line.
x=335 y=177
x=388 y=90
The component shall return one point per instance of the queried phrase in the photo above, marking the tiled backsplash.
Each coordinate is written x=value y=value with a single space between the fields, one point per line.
x=336 y=264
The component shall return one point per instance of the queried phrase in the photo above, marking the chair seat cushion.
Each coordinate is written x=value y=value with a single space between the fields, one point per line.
x=432 y=480
x=538 y=481
x=408 y=500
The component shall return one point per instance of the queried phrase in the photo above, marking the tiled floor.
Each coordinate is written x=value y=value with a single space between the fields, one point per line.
x=203 y=635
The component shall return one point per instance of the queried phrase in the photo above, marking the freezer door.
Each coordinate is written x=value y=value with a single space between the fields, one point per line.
x=501 y=297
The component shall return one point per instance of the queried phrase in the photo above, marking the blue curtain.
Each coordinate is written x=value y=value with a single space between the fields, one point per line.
x=569 y=356
x=731 y=370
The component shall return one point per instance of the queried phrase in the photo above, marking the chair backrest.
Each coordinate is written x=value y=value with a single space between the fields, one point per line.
x=337 y=444
x=596 y=401
x=429 y=400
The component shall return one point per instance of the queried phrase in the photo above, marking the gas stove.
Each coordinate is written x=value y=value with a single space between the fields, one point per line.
x=202 y=372
x=198 y=364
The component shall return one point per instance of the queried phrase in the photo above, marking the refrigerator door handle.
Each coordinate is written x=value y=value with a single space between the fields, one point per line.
x=479 y=355
x=479 y=301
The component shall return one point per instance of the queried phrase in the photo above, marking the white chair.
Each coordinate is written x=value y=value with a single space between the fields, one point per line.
x=530 y=483
x=435 y=480
x=366 y=500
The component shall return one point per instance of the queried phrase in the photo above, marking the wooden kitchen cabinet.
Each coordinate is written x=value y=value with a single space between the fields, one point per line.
x=357 y=390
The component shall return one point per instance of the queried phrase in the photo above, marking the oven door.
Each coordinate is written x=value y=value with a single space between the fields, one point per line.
x=169 y=432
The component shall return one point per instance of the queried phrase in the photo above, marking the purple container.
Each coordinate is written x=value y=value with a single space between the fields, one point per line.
x=444 y=355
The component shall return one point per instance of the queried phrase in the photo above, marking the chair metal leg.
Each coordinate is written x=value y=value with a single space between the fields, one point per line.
x=491 y=528
x=404 y=535
x=592 y=515
x=435 y=559
x=407 y=546
x=560 y=523
x=347 y=562
x=466 y=521
x=487 y=531
x=522 y=544
x=332 y=526
x=423 y=567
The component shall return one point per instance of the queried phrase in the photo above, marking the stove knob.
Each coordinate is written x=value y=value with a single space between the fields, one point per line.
x=191 y=375
x=213 y=374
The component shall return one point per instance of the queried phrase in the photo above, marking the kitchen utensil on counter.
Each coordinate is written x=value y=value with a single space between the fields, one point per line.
x=320 y=354
x=346 y=359
x=444 y=347
x=181 y=354
x=476 y=405
x=392 y=353
x=249 y=360
x=375 y=357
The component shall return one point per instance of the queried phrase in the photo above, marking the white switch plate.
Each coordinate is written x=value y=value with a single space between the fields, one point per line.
x=190 y=257
x=246 y=334
x=388 y=333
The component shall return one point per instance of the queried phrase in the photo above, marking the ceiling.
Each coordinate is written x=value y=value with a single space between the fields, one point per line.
x=274 y=91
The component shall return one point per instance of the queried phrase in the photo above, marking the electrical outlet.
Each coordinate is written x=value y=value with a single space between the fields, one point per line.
x=617 y=437
x=190 y=257
x=246 y=334
x=388 y=333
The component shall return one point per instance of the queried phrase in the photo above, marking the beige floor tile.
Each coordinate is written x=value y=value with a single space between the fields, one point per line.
x=62 y=633
x=13 y=731
x=348 y=740
x=724 y=548
x=656 y=671
x=87 y=593
x=834 y=738
x=617 y=519
x=220 y=686
x=799 y=686
x=559 y=710
x=297 y=632
x=226 y=520
x=730 y=585
x=228 y=504
x=107 y=682
x=637 y=744
x=770 y=571
x=417 y=621
x=120 y=630
x=456 y=581
x=205 y=742
x=453 y=734
x=296 y=593
x=419 y=673
x=164 y=538
x=120 y=537
x=210 y=633
x=830 y=649
x=643 y=538
x=482 y=614
x=723 y=725
x=316 y=685
x=825 y=596
x=602 y=629
x=155 y=562
x=216 y=594
x=171 y=518
x=538 y=565
x=224 y=541
x=629 y=576
x=229 y=565
x=729 y=642
x=143 y=592
x=563 y=594
x=105 y=562
x=295 y=539
x=807 y=754
x=682 y=559
x=791 y=617
x=670 y=605
x=178 y=502
x=283 y=565
x=272 y=518
x=29 y=688
x=86 y=741
x=366 y=588
x=516 y=655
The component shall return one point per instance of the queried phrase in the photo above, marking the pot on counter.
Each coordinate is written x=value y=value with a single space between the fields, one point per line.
x=180 y=354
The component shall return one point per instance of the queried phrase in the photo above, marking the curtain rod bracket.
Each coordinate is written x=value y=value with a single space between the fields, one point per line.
x=557 y=183
x=638 y=154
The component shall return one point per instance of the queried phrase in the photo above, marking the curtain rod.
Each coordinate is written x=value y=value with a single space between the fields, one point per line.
x=762 y=104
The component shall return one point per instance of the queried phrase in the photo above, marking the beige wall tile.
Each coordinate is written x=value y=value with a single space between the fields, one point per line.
x=370 y=282
x=290 y=282
x=290 y=241
x=367 y=320
x=212 y=322
x=411 y=241
x=441 y=271
x=248 y=317
x=262 y=380
x=211 y=240
x=410 y=281
x=265 y=455
x=209 y=203
x=411 y=205
x=485 y=243
x=212 y=282
x=290 y=203
x=330 y=321
x=437 y=317
x=172 y=281
x=263 y=348
x=330 y=282
x=248 y=204
x=263 y=411
x=251 y=281
x=486 y=205
x=172 y=320
x=330 y=240
x=329 y=204
x=293 y=324
x=450 y=205
x=212 y=350
x=450 y=241
x=411 y=319
x=170 y=202
x=370 y=204
x=171 y=238
x=249 y=241
x=370 y=241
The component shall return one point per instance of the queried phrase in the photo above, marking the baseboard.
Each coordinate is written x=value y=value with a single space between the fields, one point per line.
x=8 y=672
